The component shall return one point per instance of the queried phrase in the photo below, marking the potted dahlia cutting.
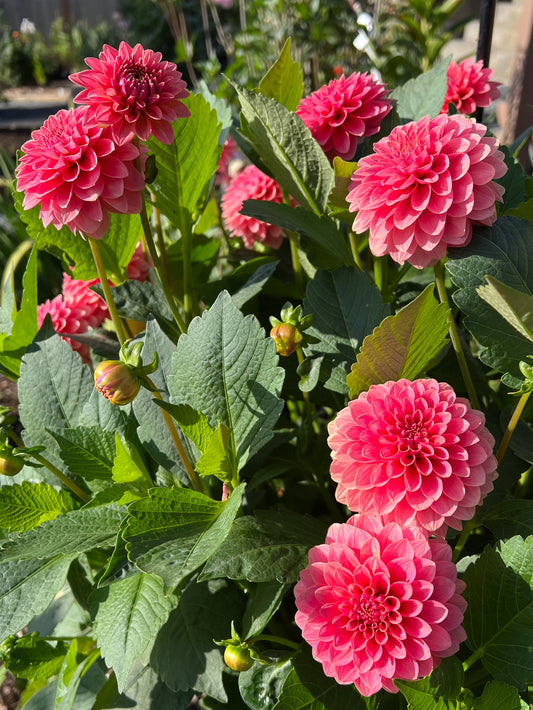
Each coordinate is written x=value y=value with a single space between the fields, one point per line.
x=273 y=448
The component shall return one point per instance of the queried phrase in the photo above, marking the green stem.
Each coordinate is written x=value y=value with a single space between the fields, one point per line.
x=378 y=273
x=454 y=336
x=463 y=537
x=157 y=265
x=355 y=251
x=472 y=659
x=296 y=265
x=524 y=483
x=511 y=425
x=53 y=469
x=307 y=400
x=186 y=245
x=279 y=640
x=98 y=261
x=191 y=473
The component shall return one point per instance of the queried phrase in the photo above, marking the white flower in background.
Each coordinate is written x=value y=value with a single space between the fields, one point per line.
x=27 y=27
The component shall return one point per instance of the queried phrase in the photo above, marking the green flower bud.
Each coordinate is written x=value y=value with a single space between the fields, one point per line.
x=238 y=658
x=287 y=338
x=116 y=381
x=10 y=464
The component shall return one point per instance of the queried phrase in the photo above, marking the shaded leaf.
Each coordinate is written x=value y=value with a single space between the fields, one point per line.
x=499 y=618
x=328 y=245
x=504 y=252
x=346 y=307
x=129 y=614
x=87 y=452
x=34 y=659
x=403 y=345
x=260 y=687
x=175 y=530
x=509 y=518
x=499 y=696
x=204 y=613
x=267 y=546
x=27 y=587
x=514 y=306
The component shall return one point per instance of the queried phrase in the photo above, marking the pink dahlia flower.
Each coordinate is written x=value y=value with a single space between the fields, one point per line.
x=380 y=602
x=134 y=92
x=469 y=86
x=343 y=112
x=140 y=264
x=74 y=311
x=78 y=175
x=412 y=451
x=251 y=184
x=229 y=164
x=424 y=187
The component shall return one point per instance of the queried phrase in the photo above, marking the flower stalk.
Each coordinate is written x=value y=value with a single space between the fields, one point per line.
x=99 y=263
x=454 y=336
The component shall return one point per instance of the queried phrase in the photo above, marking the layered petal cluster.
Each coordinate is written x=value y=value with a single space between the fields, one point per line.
x=340 y=114
x=380 y=602
x=75 y=171
x=139 y=265
x=469 y=86
x=424 y=187
x=133 y=91
x=251 y=184
x=414 y=452
x=74 y=311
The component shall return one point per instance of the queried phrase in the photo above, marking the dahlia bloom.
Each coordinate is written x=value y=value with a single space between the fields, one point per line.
x=251 y=184
x=133 y=91
x=469 y=86
x=414 y=452
x=139 y=265
x=72 y=167
x=424 y=187
x=380 y=602
x=343 y=112
x=228 y=161
x=74 y=312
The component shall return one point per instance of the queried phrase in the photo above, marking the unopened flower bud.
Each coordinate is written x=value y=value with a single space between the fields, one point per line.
x=238 y=658
x=287 y=338
x=10 y=464
x=116 y=381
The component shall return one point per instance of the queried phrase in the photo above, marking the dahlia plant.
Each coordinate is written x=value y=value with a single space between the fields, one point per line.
x=273 y=444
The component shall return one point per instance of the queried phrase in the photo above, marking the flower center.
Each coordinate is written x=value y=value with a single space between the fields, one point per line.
x=136 y=84
x=366 y=611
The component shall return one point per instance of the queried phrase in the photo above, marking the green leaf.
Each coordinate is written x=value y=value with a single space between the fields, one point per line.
x=284 y=80
x=307 y=688
x=227 y=369
x=287 y=149
x=346 y=307
x=263 y=602
x=185 y=167
x=260 y=687
x=176 y=530
x=129 y=468
x=8 y=307
x=87 y=452
x=504 y=252
x=75 y=531
x=514 y=306
x=117 y=246
x=152 y=432
x=70 y=676
x=34 y=659
x=424 y=95
x=439 y=691
x=192 y=423
x=24 y=321
x=27 y=587
x=270 y=545
x=26 y=505
x=328 y=247
x=514 y=182
x=499 y=696
x=129 y=614
x=510 y=517
x=499 y=618
x=217 y=459
x=254 y=285
x=403 y=345
x=54 y=385
x=204 y=613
